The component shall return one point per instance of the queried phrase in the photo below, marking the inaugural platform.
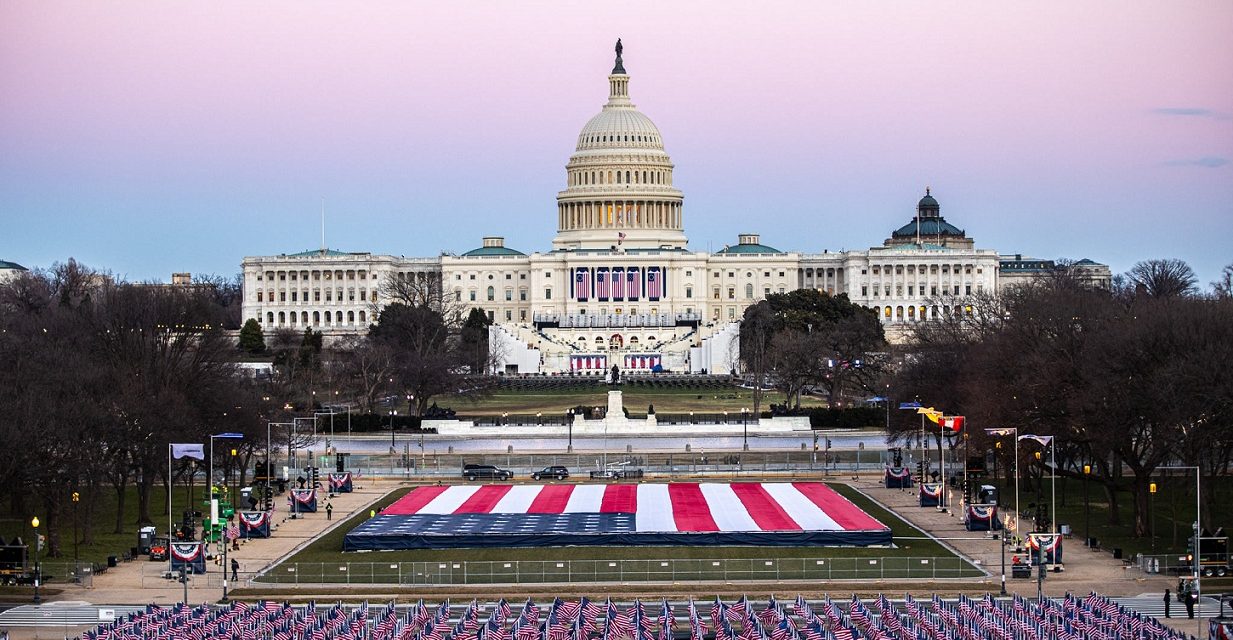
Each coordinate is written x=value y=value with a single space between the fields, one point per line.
x=680 y=513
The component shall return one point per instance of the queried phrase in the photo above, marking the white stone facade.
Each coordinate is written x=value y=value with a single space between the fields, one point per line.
x=619 y=285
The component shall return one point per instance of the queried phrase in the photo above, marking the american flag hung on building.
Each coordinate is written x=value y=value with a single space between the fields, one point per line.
x=603 y=288
x=582 y=285
x=654 y=283
x=633 y=281
x=618 y=283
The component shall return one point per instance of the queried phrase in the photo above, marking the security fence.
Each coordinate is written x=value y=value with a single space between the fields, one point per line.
x=617 y=571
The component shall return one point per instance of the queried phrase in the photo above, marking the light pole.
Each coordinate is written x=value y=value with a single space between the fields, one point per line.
x=1198 y=538
x=745 y=428
x=393 y=412
x=214 y=504
x=1014 y=433
x=569 y=423
x=76 y=562
x=1087 y=508
x=34 y=522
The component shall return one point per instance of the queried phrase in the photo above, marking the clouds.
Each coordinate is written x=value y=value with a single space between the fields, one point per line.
x=1193 y=112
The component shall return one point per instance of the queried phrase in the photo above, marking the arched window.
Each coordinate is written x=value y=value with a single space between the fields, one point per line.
x=912 y=313
x=491 y=294
x=269 y=317
x=627 y=177
x=327 y=317
x=749 y=290
x=292 y=318
x=363 y=317
x=350 y=317
x=338 y=317
x=304 y=316
x=886 y=313
x=899 y=313
x=316 y=317
x=282 y=318
x=259 y=296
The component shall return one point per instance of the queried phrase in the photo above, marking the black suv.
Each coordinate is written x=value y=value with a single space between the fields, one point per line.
x=486 y=472
x=556 y=472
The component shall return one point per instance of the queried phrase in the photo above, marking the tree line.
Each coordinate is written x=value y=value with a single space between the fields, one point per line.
x=101 y=375
x=1128 y=380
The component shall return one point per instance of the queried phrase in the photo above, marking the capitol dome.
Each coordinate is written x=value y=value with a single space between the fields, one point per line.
x=619 y=192
x=620 y=128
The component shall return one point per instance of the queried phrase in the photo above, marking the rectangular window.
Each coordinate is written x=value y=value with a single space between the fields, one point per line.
x=522 y=276
x=509 y=276
x=293 y=299
x=967 y=290
x=282 y=296
x=864 y=292
x=522 y=295
x=472 y=276
x=293 y=276
x=522 y=315
x=509 y=295
x=766 y=291
x=715 y=293
x=731 y=293
x=547 y=294
x=316 y=296
x=956 y=289
x=457 y=296
x=910 y=289
x=689 y=292
x=933 y=290
x=509 y=315
x=688 y=274
x=472 y=300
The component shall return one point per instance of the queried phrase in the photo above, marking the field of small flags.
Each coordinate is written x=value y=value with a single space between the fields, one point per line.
x=1094 y=617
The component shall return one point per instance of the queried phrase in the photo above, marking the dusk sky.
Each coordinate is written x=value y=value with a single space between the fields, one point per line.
x=150 y=137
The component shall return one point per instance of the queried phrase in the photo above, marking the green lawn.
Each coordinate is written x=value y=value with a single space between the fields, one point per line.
x=550 y=401
x=913 y=556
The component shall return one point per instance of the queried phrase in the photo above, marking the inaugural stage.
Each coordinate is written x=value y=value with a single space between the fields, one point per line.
x=746 y=513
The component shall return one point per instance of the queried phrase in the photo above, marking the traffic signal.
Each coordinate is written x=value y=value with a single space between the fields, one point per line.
x=1190 y=550
x=269 y=499
x=314 y=477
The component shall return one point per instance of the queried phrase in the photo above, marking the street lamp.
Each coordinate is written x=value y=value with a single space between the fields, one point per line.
x=1013 y=432
x=745 y=428
x=214 y=503
x=34 y=522
x=1198 y=538
x=393 y=412
x=1087 y=508
x=569 y=424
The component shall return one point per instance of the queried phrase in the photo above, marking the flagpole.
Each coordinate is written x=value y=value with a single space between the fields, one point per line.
x=1053 y=484
x=169 y=515
x=1016 y=481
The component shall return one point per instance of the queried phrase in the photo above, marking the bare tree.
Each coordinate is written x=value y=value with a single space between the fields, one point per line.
x=1222 y=287
x=1164 y=278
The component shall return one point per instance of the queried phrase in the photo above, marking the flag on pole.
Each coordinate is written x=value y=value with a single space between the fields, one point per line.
x=929 y=412
x=999 y=432
x=954 y=423
x=1043 y=440
x=196 y=451
x=909 y=405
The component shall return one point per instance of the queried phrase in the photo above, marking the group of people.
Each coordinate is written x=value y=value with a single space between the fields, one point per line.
x=1185 y=594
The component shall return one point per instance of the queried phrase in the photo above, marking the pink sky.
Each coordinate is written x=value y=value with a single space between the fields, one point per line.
x=150 y=137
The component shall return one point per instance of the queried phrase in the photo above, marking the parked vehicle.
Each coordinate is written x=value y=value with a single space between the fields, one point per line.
x=616 y=471
x=485 y=472
x=159 y=549
x=556 y=472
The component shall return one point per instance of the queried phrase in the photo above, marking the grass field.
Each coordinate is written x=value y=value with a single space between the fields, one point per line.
x=914 y=555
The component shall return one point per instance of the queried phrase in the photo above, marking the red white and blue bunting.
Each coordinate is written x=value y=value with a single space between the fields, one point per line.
x=304 y=500
x=931 y=494
x=618 y=284
x=588 y=362
x=1050 y=545
x=190 y=555
x=898 y=478
x=982 y=517
x=341 y=482
x=643 y=360
x=254 y=524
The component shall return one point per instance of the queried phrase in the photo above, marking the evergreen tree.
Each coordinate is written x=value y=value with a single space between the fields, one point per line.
x=252 y=339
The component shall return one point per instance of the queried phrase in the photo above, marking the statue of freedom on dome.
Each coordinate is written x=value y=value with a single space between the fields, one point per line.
x=620 y=66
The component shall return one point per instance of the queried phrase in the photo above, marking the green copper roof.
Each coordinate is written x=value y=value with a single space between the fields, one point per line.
x=493 y=251
x=928 y=227
x=748 y=248
x=11 y=265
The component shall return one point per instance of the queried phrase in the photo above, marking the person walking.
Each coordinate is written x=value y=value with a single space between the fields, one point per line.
x=235 y=570
x=1191 y=599
x=329 y=511
x=1166 y=600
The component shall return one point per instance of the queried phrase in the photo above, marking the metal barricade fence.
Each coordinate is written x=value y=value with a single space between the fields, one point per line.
x=613 y=571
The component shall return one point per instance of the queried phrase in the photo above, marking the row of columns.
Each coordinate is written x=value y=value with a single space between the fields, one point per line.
x=638 y=214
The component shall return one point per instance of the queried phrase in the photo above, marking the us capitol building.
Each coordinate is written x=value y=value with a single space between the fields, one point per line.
x=620 y=286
